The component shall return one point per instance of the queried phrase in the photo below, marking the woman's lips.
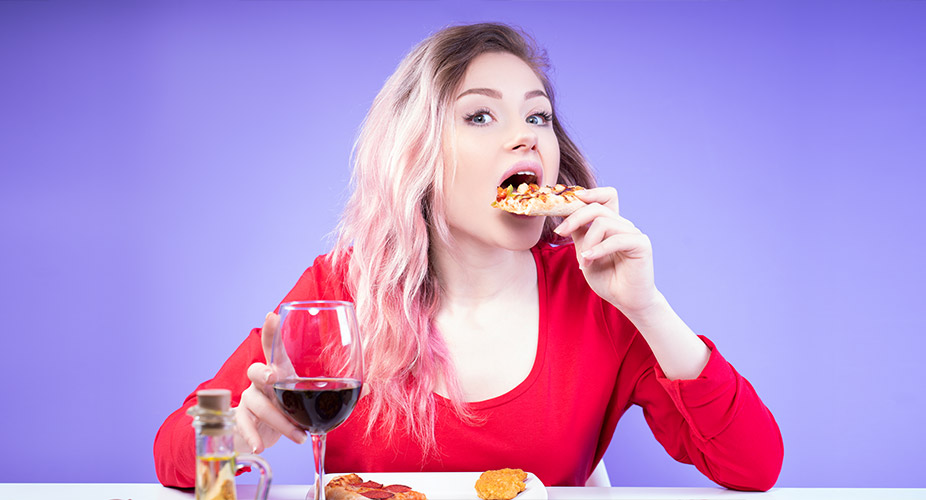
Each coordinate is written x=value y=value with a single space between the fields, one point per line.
x=531 y=167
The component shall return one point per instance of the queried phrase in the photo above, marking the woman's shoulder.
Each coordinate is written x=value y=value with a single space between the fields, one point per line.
x=325 y=279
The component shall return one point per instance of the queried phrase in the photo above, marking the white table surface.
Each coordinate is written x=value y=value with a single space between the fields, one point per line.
x=114 y=491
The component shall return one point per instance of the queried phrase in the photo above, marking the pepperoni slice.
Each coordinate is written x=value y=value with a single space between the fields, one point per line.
x=397 y=488
x=377 y=494
x=371 y=484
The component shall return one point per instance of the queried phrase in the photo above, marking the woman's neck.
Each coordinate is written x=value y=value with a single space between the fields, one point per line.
x=473 y=274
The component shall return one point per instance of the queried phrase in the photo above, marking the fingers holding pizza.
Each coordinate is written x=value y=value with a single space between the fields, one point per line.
x=615 y=256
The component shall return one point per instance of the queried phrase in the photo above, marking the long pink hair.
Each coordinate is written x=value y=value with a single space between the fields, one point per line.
x=395 y=212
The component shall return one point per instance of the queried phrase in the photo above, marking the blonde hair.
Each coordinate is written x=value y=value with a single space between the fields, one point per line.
x=397 y=208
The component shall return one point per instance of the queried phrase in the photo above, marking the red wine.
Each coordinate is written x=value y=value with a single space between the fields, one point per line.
x=318 y=404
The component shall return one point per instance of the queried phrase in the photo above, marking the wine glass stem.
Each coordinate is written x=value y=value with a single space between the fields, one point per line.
x=318 y=449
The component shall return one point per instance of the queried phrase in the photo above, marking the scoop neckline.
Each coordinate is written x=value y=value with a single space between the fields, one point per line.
x=539 y=357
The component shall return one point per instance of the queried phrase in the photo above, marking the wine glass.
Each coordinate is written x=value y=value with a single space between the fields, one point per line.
x=318 y=366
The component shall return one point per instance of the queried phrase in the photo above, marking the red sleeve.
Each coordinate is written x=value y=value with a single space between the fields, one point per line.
x=174 y=447
x=716 y=422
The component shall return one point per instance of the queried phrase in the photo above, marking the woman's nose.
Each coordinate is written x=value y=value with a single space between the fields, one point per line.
x=523 y=138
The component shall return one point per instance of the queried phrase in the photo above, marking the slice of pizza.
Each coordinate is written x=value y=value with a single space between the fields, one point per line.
x=531 y=199
x=353 y=487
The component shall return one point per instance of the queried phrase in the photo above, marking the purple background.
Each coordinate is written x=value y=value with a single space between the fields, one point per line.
x=170 y=168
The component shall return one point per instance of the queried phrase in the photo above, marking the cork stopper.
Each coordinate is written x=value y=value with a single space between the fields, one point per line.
x=214 y=399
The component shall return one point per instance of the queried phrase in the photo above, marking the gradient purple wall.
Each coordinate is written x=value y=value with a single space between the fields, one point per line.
x=169 y=169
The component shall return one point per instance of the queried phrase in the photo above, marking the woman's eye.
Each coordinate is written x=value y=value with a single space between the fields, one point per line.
x=539 y=119
x=480 y=118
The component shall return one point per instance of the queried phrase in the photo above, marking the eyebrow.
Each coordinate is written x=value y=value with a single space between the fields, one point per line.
x=535 y=93
x=498 y=95
x=483 y=91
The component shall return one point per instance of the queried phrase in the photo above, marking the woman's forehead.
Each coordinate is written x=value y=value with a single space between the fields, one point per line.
x=501 y=72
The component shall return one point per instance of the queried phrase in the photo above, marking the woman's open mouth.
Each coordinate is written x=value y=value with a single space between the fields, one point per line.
x=518 y=178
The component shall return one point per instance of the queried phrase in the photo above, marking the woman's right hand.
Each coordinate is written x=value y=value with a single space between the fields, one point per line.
x=259 y=422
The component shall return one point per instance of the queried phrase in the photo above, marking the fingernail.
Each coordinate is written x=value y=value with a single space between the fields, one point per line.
x=587 y=254
x=558 y=229
x=299 y=437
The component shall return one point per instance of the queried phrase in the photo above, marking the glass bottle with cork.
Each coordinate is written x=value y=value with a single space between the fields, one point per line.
x=216 y=460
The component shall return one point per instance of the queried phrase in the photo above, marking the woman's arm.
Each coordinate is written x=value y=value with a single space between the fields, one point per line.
x=700 y=409
x=174 y=446
x=259 y=423
x=617 y=261
x=717 y=422
x=681 y=354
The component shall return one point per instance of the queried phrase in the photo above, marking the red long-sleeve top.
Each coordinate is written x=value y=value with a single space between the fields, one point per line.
x=591 y=365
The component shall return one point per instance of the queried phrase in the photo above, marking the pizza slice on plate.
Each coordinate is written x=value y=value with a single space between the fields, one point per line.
x=353 y=487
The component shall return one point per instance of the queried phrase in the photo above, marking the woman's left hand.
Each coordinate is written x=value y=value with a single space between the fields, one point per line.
x=615 y=256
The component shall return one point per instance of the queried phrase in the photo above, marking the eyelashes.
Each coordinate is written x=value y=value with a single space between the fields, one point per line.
x=482 y=117
x=547 y=117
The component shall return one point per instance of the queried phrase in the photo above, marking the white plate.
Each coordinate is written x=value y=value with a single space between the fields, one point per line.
x=447 y=485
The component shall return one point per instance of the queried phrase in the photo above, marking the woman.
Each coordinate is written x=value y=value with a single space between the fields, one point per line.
x=494 y=340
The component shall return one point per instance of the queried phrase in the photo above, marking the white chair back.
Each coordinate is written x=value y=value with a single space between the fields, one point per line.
x=599 y=476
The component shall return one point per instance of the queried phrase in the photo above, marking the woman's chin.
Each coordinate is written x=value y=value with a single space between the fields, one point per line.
x=523 y=236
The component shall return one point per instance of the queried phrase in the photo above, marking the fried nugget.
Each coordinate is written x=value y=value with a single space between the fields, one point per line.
x=503 y=484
